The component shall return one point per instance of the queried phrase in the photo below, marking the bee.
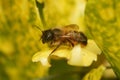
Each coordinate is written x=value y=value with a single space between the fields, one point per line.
x=63 y=35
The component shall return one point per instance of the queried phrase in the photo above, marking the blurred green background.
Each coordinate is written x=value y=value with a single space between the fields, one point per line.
x=18 y=40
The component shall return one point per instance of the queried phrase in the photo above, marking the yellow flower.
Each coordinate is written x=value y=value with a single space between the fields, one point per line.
x=76 y=56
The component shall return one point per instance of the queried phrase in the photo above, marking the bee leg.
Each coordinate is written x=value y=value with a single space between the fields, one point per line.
x=70 y=42
x=56 y=48
x=51 y=44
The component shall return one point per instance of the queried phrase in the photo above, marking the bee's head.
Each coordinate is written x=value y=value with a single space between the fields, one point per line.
x=47 y=36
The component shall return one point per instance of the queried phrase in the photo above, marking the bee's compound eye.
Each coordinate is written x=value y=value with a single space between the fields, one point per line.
x=47 y=36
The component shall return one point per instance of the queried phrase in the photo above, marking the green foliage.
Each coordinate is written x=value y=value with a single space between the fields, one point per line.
x=95 y=74
x=103 y=21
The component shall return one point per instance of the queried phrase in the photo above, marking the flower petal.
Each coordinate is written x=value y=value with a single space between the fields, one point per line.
x=81 y=57
x=77 y=56
x=42 y=56
x=63 y=52
x=84 y=56
x=92 y=47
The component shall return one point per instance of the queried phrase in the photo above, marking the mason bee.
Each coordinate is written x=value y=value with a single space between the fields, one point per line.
x=63 y=35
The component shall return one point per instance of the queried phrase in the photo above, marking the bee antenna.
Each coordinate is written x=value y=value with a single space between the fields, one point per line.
x=37 y=27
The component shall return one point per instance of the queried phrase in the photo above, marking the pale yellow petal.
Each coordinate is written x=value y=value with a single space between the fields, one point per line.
x=84 y=56
x=81 y=57
x=77 y=56
x=92 y=47
x=42 y=56
x=63 y=53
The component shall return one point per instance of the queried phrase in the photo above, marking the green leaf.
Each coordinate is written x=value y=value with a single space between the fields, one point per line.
x=95 y=74
x=103 y=20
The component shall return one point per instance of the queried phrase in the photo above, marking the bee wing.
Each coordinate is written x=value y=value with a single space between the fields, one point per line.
x=66 y=29
x=71 y=27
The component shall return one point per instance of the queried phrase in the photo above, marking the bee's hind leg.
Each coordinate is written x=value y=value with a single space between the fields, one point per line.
x=56 y=48
x=70 y=42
